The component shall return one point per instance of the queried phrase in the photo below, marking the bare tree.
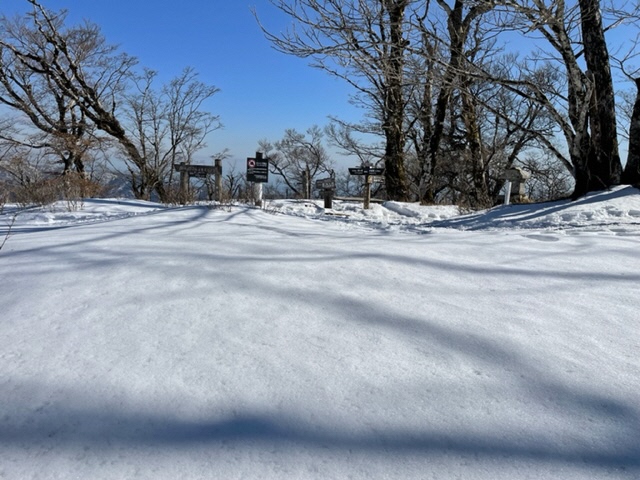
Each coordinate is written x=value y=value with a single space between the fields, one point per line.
x=631 y=174
x=86 y=80
x=50 y=119
x=585 y=112
x=365 y=44
x=168 y=126
x=298 y=158
x=549 y=179
x=461 y=19
x=76 y=65
x=631 y=107
x=603 y=168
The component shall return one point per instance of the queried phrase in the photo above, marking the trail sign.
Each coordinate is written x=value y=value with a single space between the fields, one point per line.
x=200 y=171
x=328 y=187
x=366 y=170
x=370 y=174
x=326 y=183
x=258 y=169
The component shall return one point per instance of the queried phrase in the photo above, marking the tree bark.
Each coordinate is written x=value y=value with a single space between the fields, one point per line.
x=603 y=166
x=395 y=174
x=631 y=173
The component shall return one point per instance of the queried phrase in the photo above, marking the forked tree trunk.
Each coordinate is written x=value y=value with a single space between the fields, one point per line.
x=603 y=166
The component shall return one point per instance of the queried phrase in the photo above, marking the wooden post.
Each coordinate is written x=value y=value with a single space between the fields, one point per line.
x=257 y=187
x=184 y=183
x=328 y=198
x=368 y=179
x=218 y=179
x=306 y=184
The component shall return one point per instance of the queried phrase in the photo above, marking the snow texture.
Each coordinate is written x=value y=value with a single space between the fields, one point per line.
x=401 y=342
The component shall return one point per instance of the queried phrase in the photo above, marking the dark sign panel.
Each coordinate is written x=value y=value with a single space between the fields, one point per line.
x=365 y=170
x=257 y=170
x=326 y=183
x=199 y=171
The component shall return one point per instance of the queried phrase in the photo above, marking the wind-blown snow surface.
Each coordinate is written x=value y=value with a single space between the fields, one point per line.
x=405 y=342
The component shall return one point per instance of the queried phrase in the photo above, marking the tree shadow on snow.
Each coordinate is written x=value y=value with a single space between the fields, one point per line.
x=101 y=426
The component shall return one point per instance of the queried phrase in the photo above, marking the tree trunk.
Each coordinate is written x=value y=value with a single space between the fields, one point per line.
x=395 y=174
x=603 y=167
x=479 y=196
x=631 y=174
x=457 y=37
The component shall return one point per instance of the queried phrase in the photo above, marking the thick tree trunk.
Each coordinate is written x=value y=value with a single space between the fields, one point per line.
x=479 y=196
x=631 y=174
x=603 y=167
x=395 y=174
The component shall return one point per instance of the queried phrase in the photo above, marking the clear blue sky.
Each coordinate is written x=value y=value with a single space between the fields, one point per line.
x=262 y=92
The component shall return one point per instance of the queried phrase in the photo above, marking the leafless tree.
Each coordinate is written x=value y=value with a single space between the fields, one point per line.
x=626 y=63
x=49 y=118
x=73 y=69
x=298 y=158
x=168 y=126
x=462 y=20
x=585 y=110
x=549 y=179
x=365 y=44
x=70 y=83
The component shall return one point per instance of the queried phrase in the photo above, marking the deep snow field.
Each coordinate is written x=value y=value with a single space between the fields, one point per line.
x=403 y=342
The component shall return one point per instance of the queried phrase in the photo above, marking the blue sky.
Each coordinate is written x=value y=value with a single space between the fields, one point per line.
x=262 y=92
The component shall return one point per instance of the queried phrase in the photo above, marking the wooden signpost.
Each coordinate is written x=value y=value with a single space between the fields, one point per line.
x=328 y=187
x=199 y=171
x=369 y=173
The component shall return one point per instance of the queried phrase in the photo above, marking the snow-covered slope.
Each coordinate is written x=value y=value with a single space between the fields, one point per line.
x=138 y=341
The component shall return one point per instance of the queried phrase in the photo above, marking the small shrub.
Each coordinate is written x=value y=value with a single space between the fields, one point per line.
x=72 y=188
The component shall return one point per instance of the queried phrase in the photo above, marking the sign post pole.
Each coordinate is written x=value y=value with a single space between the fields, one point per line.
x=257 y=173
x=257 y=194
x=507 y=192
x=218 y=179
x=258 y=186
x=328 y=187
x=369 y=174
x=328 y=199
x=367 y=191
x=184 y=183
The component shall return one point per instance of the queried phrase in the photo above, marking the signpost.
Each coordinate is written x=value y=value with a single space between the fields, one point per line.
x=258 y=169
x=326 y=183
x=258 y=173
x=366 y=170
x=370 y=173
x=328 y=186
x=199 y=171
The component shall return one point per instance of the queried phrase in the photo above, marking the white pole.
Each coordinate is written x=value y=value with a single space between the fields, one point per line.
x=507 y=192
x=258 y=192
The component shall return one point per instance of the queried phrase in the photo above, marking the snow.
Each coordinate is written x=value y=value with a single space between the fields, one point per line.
x=405 y=341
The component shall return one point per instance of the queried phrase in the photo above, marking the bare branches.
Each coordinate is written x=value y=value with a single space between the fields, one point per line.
x=366 y=45
x=298 y=158
x=71 y=84
x=167 y=125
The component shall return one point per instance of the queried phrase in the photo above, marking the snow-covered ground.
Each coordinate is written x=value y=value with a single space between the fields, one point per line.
x=403 y=342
